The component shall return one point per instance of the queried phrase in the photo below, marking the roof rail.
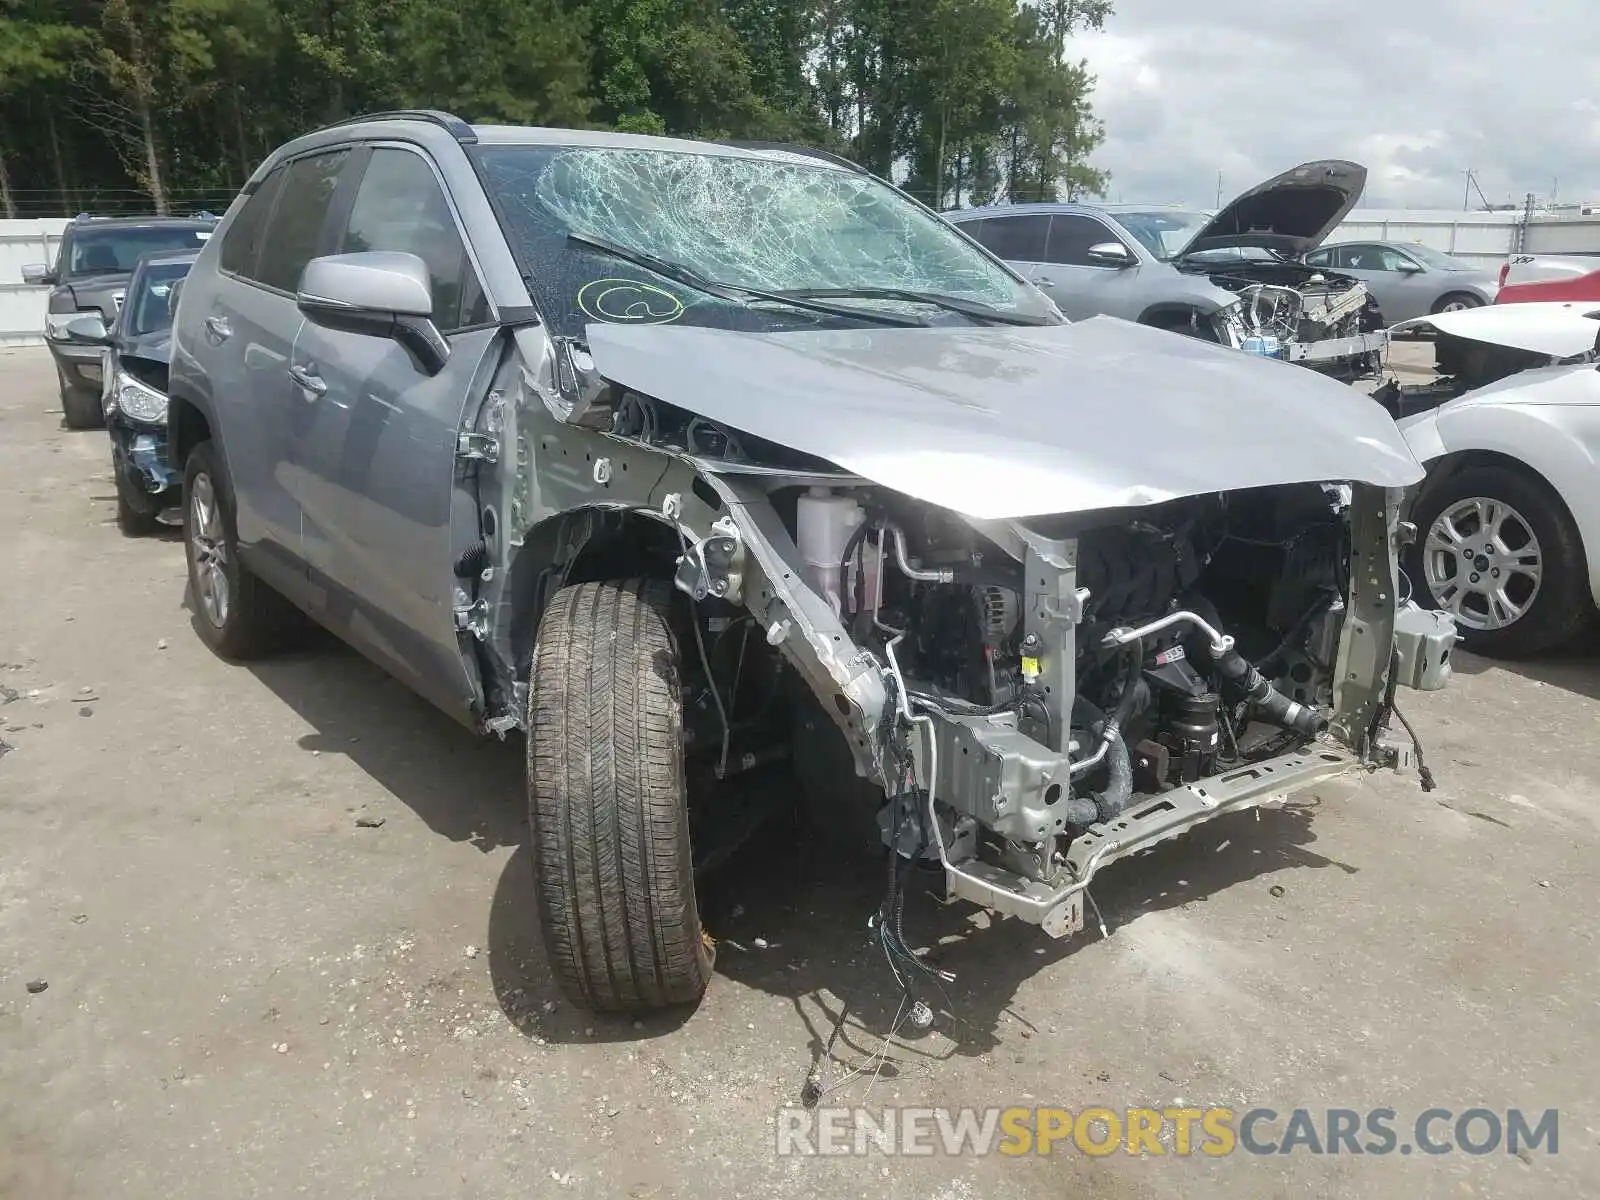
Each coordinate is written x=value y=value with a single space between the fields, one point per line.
x=451 y=124
x=826 y=156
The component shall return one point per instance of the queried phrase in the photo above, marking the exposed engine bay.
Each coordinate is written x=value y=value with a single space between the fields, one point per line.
x=1033 y=686
x=1300 y=313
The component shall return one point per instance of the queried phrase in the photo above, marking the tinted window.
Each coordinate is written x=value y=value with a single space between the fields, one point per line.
x=399 y=206
x=242 y=243
x=150 y=309
x=1071 y=237
x=117 y=250
x=1322 y=258
x=294 y=234
x=1359 y=258
x=1020 y=239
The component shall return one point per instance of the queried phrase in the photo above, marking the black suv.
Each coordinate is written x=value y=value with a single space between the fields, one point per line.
x=90 y=275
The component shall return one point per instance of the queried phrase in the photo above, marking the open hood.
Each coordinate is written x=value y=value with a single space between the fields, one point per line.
x=1559 y=329
x=1292 y=213
x=1015 y=422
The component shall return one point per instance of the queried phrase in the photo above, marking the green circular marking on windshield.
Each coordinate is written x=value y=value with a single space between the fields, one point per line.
x=628 y=302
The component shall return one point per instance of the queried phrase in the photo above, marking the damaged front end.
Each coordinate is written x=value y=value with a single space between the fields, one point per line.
x=1190 y=628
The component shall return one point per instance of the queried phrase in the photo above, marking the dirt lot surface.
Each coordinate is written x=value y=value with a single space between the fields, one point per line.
x=248 y=994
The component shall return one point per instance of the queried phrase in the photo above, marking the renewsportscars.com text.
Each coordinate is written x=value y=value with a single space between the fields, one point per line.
x=1176 y=1132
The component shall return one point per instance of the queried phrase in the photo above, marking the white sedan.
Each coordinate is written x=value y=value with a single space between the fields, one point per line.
x=1508 y=517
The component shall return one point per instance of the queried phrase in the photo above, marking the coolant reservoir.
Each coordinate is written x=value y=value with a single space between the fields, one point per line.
x=822 y=530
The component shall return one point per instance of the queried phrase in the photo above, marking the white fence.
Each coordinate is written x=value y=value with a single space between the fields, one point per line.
x=22 y=305
x=1484 y=239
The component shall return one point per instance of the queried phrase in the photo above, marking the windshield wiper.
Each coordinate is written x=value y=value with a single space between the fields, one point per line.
x=737 y=293
x=974 y=309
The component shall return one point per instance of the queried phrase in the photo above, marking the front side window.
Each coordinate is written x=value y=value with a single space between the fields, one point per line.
x=116 y=251
x=400 y=206
x=294 y=234
x=1394 y=260
x=781 y=223
x=241 y=245
x=1072 y=235
x=149 y=308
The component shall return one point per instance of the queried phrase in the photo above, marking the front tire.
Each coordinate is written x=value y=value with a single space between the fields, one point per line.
x=236 y=614
x=1456 y=302
x=607 y=802
x=1497 y=548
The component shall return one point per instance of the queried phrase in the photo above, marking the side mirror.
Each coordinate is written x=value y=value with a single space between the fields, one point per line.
x=36 y=274
x=1408 y=268
x=173 y=293
x=378 y=293
x=86 y=330
x=1110 y=254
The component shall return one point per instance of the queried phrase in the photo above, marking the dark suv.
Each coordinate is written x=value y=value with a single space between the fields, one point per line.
x=90 y=275
x=695 y=461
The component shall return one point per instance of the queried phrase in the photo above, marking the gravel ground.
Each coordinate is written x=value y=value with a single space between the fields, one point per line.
x=249 y=993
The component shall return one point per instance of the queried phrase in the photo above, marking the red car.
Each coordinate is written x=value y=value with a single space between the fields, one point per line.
x=1573 y=287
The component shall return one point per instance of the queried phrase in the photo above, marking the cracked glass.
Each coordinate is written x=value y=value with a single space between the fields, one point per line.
x=767 y=220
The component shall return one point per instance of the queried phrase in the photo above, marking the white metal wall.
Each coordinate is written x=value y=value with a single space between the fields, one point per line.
x=21 y=305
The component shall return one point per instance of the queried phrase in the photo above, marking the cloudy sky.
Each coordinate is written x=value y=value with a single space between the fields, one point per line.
x=1417 y=90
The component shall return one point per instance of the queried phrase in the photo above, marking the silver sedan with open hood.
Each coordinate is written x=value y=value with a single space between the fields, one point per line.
x=702 y=463
x=1232 y=278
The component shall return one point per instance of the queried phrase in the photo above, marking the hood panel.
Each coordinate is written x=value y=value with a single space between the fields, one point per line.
x=1558 y=329
x=1017 y=422
x=1292 y=213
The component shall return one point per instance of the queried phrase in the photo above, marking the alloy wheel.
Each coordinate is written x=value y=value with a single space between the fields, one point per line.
x=208 y=549
x=1482 y=563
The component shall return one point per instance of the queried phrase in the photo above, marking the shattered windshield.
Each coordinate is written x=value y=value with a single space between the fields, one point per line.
x=1163 y=232
x=771 y=222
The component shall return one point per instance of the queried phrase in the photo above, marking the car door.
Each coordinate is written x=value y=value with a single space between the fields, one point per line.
x=1409 y=289
x=1083 y=288
x=248 y=327
x=376 y=456
x=1365 y=261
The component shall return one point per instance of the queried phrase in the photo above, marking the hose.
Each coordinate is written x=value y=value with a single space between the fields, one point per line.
x=855 y=603
x=1268 y=701
x=1104 y=805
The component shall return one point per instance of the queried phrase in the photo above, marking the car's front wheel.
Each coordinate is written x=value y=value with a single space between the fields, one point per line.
x=237 y=614
x=1456 y=302
x=607 y=802
x=1498 y=550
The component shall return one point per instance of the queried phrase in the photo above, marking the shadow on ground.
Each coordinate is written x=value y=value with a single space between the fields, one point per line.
x=790 y=918
x=789 y=913
x=465 y=787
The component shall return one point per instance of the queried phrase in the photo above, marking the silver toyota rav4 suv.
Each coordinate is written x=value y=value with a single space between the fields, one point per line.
x=693 y=461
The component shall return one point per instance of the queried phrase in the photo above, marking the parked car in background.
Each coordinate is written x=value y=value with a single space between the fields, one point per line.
x=139 y=348
x=1508 y=518
x=1581 y=289
x=90 y=275
x=1538 y=268
x=1231 y=278
x=1409 y=280
x=690 y=459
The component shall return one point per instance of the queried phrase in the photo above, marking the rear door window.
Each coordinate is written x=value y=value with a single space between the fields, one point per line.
x=295 y=232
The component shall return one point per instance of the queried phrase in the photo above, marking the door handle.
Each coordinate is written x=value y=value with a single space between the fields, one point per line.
x=312 y=384
x=218 y=329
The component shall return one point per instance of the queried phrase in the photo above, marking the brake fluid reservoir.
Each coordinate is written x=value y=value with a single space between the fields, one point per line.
x=823 y=526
